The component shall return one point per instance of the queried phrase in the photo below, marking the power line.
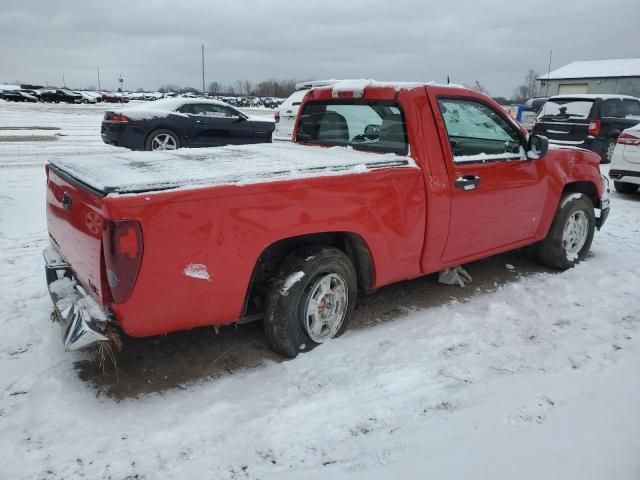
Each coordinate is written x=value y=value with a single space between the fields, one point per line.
x=503 y=25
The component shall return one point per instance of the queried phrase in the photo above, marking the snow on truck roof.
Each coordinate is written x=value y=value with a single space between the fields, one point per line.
x=358 y=86
x=615 y=67
x=136 y=172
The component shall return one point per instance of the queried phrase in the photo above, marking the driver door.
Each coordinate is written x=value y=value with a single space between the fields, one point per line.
x=497 y=194
x=216 y=125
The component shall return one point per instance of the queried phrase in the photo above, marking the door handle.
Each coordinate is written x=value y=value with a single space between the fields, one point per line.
x=467 y=182
x=200 y=121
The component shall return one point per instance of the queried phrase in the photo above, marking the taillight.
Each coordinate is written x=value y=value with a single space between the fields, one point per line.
x=277 y=116
x=628 y=139
x=594 y=128
x=122 y=240
x=116 y=117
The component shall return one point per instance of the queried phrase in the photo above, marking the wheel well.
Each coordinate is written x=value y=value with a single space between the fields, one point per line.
x=272 y=257
x=585 y=187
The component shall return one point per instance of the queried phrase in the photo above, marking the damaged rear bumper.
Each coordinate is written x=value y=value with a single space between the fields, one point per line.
x=604 y=213
x=82 y=320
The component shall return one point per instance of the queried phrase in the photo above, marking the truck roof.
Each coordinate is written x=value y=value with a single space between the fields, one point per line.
x=137 y=172
x=359 y=85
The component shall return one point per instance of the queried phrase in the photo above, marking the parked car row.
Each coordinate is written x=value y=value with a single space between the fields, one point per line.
x=61 y=95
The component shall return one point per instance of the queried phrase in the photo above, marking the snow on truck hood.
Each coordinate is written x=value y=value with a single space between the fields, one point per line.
x=136 y=172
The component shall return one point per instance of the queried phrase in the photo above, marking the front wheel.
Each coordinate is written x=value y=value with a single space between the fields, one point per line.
x=311 y=300
x=571 y=233
x=626 y=188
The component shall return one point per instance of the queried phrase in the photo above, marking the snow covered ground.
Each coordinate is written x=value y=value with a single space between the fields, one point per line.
x=538 y=377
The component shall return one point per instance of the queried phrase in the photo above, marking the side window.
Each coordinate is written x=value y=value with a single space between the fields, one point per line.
x=186 y=108
x=631 y=109
x=208 y=110
x=478 y=133
x=612 y=108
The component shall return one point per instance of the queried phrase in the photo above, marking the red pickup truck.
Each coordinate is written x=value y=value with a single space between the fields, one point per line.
x=384 y=182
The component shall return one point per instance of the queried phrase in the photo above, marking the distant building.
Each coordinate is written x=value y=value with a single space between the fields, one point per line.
x=620 y=75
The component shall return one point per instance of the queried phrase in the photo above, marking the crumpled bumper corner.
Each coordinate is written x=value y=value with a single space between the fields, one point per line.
x=81 y=319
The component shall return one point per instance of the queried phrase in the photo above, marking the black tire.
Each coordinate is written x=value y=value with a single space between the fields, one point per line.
x=552 y=251
x=286 y=307
x=154 y=134
x=626 y=188
x=607 y=150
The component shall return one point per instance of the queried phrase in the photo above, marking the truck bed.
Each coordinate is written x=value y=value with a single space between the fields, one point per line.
x=137 y=172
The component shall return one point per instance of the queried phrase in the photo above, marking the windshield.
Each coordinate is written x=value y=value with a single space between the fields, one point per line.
x=374 y=126
x=565 y=108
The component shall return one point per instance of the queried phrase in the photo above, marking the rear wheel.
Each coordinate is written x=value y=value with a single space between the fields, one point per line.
x=571 y=233
x=162 y=140
x=624 y=187
x=311 y=300
x=607 y=151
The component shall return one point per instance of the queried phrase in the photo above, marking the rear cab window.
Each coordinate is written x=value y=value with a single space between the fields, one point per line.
x=375 y=126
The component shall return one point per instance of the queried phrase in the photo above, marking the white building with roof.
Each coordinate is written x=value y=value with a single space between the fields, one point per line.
x=618 y=75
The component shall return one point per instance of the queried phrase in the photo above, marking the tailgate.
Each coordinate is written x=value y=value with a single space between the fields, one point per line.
x=74 y=220
x=575 y=131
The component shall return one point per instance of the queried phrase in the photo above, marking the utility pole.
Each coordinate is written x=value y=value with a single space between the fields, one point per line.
x=64 y=84
x=203 y=69
x=546 y=92
x=99 y=89
x=121 y=82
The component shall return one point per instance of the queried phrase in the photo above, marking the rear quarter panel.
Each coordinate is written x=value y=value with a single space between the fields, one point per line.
x=227 y=228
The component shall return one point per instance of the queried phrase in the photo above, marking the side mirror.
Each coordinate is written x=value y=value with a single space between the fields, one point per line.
x=238 y=118
x=537 y=146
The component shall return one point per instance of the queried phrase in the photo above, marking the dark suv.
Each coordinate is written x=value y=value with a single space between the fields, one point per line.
x=591 y=121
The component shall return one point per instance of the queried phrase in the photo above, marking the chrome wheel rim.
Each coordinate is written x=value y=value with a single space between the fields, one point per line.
x=326 y=307
x=575 y=233
x=163 y=141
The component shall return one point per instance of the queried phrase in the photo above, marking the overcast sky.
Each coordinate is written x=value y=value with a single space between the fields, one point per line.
x=158 y=42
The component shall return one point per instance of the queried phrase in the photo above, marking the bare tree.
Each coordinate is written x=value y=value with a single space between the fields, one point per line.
x=528 y=88
x=169 y=87
x=215 y=88
x=247 y=87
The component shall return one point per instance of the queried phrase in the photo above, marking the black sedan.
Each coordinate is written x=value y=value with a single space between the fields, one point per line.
x=183 y=122
x=17 y=96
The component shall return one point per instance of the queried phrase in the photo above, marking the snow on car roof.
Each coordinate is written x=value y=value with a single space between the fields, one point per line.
x=171 y=104
x=593 y=96
x=9 y=87
x=615 y=67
